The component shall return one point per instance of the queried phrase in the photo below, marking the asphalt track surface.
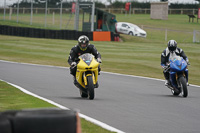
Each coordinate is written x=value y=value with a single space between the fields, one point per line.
x=130 y=104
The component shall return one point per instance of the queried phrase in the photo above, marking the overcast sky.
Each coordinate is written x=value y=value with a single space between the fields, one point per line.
x=8 y=2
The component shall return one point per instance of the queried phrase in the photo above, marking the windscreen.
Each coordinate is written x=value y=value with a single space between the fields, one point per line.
x=134 y=26
x=87 y=58
x=174 y=57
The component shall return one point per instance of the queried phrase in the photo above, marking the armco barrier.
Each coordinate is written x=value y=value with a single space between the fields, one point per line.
x=45 y=33
x=40 y=121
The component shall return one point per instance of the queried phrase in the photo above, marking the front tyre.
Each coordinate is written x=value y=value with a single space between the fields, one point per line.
x=183 y=86
x=90 y=88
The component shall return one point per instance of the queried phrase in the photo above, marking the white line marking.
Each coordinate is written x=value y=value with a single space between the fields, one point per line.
x=96 y=122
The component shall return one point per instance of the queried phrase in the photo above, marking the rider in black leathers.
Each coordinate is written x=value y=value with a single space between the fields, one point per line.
x=172 y=48
x=82 y=47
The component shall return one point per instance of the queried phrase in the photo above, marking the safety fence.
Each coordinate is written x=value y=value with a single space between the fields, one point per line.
x=148 y=11
x=65 y=22
x=165 y=34
x=110 y=10
x=196 y=36
x=55 y=18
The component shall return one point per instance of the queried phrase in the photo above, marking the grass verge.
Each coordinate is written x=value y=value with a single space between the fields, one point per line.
x=13 y=99
x=135 y=58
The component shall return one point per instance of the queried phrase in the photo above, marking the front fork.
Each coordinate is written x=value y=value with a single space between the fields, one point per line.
x=174 y=78
x=85 y=78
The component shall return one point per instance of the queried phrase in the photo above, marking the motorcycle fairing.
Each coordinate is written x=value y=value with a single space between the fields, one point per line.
x=87 y=66
x=178 y=66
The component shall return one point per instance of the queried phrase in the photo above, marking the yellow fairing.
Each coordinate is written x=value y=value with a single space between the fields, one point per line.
x=82 y=67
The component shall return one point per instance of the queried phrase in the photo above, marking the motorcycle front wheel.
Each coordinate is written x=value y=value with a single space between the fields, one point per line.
x=183 y=86
x=90 y=88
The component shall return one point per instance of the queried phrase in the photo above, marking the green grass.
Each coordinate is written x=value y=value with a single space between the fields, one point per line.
x=38 y=21
x=177 y=26
x=174 y=22
x=133 y=56
x=14 y=99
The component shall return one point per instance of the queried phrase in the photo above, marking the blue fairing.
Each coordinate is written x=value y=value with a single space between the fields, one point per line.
x=177 y=65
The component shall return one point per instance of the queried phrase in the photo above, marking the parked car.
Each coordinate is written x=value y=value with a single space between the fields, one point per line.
x=130 y=29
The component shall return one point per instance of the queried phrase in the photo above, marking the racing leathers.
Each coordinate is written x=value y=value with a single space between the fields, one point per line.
x=165 y=60
x=76 y=52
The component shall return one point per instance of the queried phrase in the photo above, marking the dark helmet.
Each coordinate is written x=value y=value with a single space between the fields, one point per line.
x=172 y=45
x=83 y=40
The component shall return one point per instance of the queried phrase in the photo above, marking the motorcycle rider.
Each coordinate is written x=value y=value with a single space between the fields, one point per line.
x=172 y=49
x=82 y=47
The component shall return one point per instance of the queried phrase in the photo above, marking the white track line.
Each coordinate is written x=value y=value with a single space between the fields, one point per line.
x=96 y=122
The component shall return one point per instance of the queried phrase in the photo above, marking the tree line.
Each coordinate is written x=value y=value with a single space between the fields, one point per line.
x=116 y=4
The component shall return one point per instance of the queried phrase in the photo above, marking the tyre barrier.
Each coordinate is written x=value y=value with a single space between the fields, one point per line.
x=43 y=33
x=40 y=121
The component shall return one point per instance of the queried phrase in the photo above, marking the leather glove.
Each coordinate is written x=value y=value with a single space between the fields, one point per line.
x=73 y=64
x=187 y=60
x=99 y=60
x=164 y=67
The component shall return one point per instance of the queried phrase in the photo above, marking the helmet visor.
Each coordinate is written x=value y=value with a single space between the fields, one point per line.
x=83 y=45
x=172 y=48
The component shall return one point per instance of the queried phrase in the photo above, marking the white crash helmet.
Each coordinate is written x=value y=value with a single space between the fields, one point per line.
x=172 y=45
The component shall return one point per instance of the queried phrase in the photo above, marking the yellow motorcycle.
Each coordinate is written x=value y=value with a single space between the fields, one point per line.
x=87 y=75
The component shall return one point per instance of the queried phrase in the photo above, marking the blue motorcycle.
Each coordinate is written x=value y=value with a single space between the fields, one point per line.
x=178 y=76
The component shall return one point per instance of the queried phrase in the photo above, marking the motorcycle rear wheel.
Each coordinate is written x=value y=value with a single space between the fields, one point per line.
x=90 y=88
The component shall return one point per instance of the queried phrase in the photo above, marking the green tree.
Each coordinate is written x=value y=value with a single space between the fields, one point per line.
x=110 y=1
x=198 y=1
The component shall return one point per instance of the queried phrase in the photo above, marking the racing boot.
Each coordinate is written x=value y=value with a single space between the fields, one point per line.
x=96 y=85
x=75 y=81
x=99 y=69
x=186 y=74
x=176 y=90
x=167 y=82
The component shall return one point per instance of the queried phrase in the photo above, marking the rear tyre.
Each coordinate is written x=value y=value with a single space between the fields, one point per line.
x=90 y=88
x=83 y=94
x=183 y=85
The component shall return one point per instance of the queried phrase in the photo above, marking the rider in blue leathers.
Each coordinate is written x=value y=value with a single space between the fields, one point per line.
x=172 y=48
